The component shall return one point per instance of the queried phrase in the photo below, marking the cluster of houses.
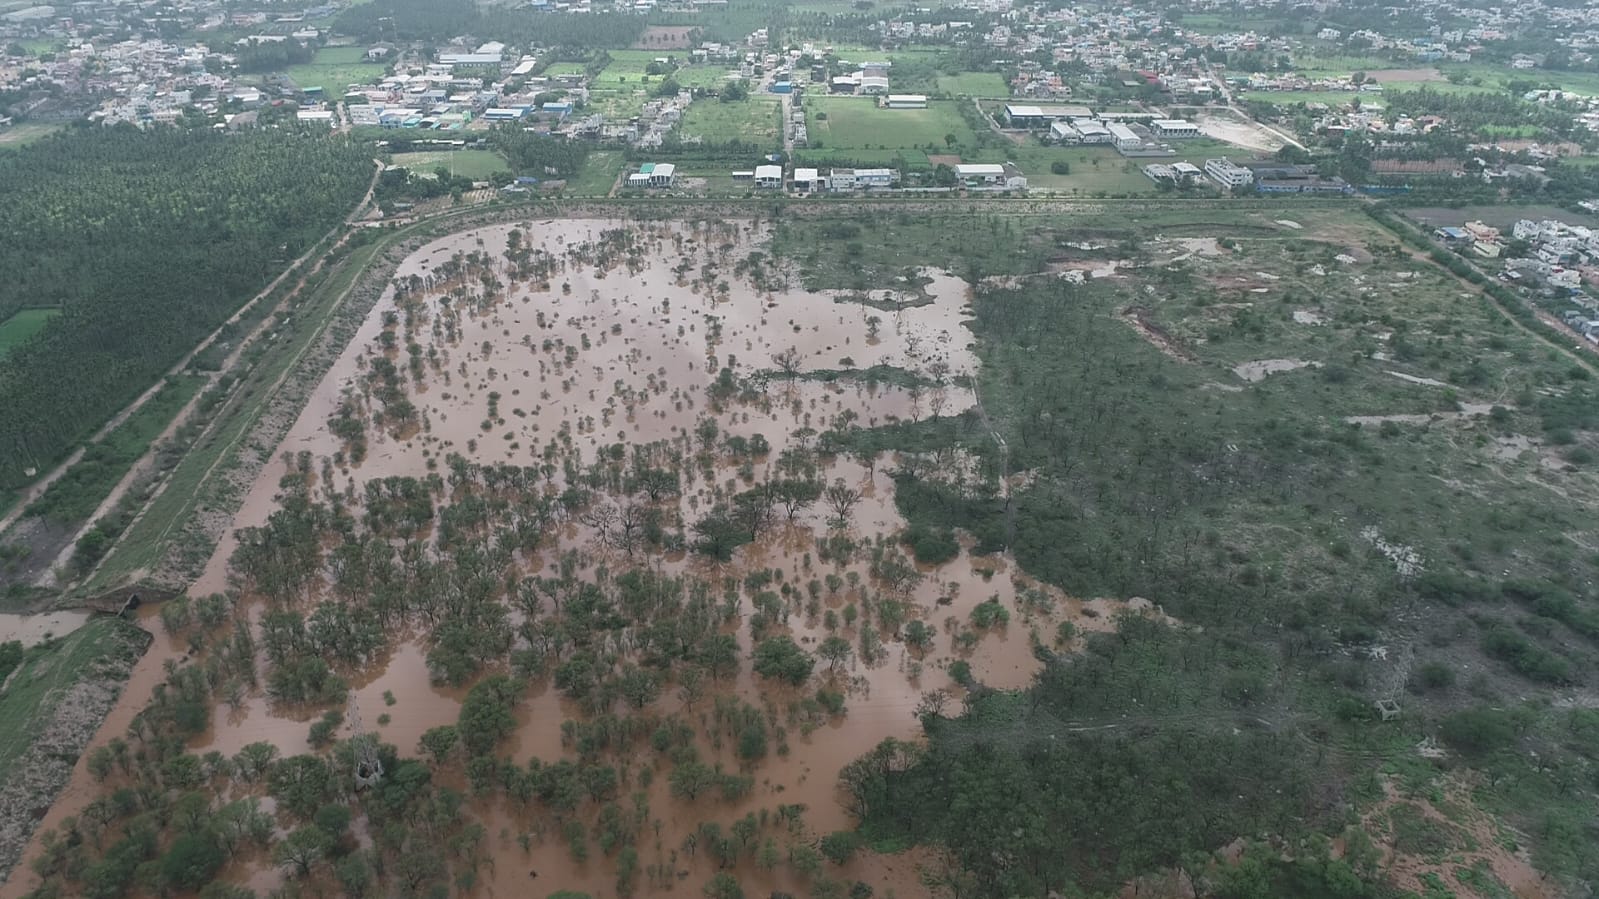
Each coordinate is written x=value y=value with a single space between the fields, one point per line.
x=1560 y=255
x=1550 y=254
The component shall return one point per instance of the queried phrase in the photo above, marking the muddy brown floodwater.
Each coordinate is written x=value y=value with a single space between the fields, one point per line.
x=31 y=630
x=626 y=354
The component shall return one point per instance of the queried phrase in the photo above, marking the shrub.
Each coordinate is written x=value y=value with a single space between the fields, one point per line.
x=931 y=546
x=840 y=845
x=1435 y=676
x=781 y=658
x=1479 y=731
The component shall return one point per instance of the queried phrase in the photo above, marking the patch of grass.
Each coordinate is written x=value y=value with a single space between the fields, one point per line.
x=710 y=77
x=77 y=493
x=17 y=329
x=1287 y=98
x=47 y=672
x=335 y=68
x=20 y=135
x=974 y=84
x=755 y=120
x=598 y=175
x=478 y=165
x=1334 y=66
x=858 y=123
x=824 y=158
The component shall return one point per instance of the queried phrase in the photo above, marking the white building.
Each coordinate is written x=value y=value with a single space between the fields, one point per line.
x=984 y=172
x=1123 y=137
x=992 y=176
x=1174 y=129
x=769 y=176
x=807 y=179
x=1228 y=175
x=843 y=180
x=905 y=101
x=1091 y=132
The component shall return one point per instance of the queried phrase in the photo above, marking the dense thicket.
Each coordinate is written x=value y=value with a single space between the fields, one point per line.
x=440 y=20
x=147 y=240
x=1060 y=787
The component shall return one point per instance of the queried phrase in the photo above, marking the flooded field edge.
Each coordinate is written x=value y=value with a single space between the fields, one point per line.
x=921 y=338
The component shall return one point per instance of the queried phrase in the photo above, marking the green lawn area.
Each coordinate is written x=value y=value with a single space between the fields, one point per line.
x=75 y=496
x=46 y=673
x=858 y=123
x=1093 y=169
x=1288 y=98
x=1528 y=131
x=1314 y=65
x=974 y=84
x=22 y=134
x=475 y=164
x=38 y=45
x=826 y=158
x=564 y=68
x=711 y=77
x=753 y=121
x=598 y=175
x=335 y=68
x=1442 y=87
x=26 y=323
x=1496 y=77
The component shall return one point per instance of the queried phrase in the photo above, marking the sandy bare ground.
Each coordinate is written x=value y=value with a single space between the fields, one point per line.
x=1248 y=135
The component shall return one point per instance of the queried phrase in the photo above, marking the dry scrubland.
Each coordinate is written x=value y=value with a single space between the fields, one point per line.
x=628 y=537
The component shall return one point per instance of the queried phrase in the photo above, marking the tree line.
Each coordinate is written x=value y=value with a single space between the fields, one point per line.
x=433 y=21
x=147 y=240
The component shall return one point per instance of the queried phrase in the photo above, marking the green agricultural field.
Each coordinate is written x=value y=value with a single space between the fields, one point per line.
x=335 y=68
x=39 y=45
x=974 y=84
x=1492 y=76
x=565 y=68
x=1288 y=98
x=1094 y=170
x=1335 y=66
x=825 y=158
x=478 y=165
x=756 y=120
x=23 y=325
x=25 y=133
x=859 y=123
x=598 y=175
x=708 y=77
